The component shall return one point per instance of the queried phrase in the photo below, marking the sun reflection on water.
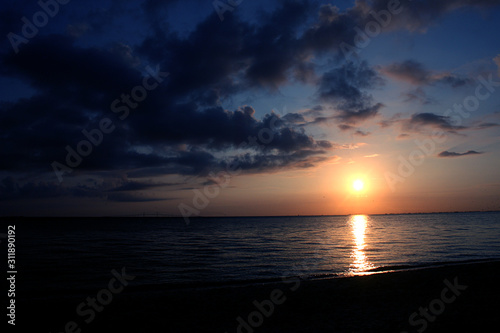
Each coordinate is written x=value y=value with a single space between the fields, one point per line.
x=359 y=224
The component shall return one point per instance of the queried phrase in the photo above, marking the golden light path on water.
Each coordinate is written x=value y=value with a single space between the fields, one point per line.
x=359 y=225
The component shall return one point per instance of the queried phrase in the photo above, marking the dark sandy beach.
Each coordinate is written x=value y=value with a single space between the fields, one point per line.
x=461 y=298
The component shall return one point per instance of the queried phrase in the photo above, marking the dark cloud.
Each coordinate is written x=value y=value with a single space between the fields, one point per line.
x=314 y=111
x=9 y=188
x=336 y=29
x=111 y=189
x=362 y=133
x=395 y=119
x=496 y=60
x=487 y=125
x=430 y=119
x=419 y=15
x=9 y=21
x=138 y=186
x=132 y=197
x=333 y=29
x=87 y=76
x=294 y=118
x=453 y=80
x=418 y=95
x=415 y=73
x=345 y=127
x=410 y=71
x=355 y=116
x=155 y=7
x=75 y=89
x=275 y=49
x=299 y=159
x=453 y=154
x=344 y=85
x=419 y=121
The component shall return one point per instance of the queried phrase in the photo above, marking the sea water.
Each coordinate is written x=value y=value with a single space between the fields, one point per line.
x=64 y=255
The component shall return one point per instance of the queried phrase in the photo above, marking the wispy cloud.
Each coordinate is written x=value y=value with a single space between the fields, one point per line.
x=487 y=125
x=418 y=95
x=415 y=73
x=453 y=154
x=111 y=190
x=362 y=133
x=432 y=120
x=497 y=62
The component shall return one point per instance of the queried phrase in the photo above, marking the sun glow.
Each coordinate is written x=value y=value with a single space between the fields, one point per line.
x=358 y=185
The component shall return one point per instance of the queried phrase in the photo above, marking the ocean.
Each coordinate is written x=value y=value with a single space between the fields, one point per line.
x=64 y=256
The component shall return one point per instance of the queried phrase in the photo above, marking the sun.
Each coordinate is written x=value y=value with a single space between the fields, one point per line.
x=358 y=185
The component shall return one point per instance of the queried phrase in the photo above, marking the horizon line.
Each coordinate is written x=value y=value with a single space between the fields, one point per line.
x=158 y=215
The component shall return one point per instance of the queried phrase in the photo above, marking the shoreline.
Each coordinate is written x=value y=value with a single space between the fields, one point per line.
x=214 y=285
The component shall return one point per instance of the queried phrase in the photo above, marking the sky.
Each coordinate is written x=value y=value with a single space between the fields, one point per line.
x=249 y=108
